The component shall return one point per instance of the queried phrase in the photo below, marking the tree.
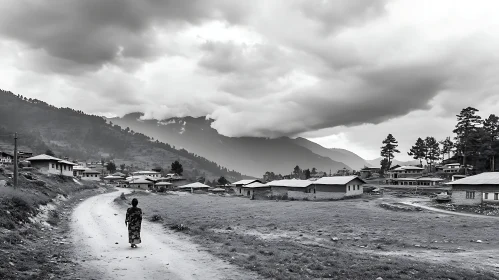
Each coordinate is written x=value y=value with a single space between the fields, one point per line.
x=297 y=171
x=177 y=168
x=49 y=153
x=432 y=151
x=384 y=166
x=491 y=136
x=223 y=181
x=122 y=167
x=447 y=146
x=314 y=171
x=418 y=151
x=111 y=167
x=389 y=149
x=307 y=173
x=465 y=131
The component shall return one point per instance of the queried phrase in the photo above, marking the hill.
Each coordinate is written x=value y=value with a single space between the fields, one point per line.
x=250 y=155
x=349 y=158
x=85 y=137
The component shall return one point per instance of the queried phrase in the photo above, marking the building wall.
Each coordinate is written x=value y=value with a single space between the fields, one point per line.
x=261 y=193
x=238 y=190
x=140 y=186
x=356 y=189
x=301 y=195
x=51 y=167
x=90 y=177
x=491 y=196
x=279 y=192
x=329 y=195
x=459 y=197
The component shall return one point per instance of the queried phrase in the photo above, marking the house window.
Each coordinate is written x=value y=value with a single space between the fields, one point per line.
x=470 y=195
x=348 y=188
x=496 y=196
x=358 y=187
x=486 y=195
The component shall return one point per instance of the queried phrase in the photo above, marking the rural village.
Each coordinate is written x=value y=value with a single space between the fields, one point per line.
x=249 y=140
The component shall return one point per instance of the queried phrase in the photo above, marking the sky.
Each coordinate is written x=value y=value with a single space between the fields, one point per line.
x=342 y=73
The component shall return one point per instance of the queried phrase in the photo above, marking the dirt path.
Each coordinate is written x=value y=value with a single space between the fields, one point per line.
x=415 y=203
x=100 y=234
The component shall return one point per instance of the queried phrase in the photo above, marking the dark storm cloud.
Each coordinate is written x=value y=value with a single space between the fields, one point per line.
x=88 y=34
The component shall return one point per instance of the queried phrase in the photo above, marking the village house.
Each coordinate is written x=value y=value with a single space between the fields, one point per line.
x=194 y=187
x=291 y=189
x=52 y=165
x=367 y=172
x=451 y=168
x=91 y=175
x=337 y=187
x=422 y=181
x=141 y=183
x=405 y=172
x=476 y=189
x=23 y=155
x=256 y=190
x=6 y=158
x=239 y=184
x=166 y=185
x=153 y=174
x=343 y=172
x=78 y=171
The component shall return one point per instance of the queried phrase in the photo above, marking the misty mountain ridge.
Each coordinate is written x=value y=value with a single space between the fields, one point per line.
x=250 y=155
x=85 y=137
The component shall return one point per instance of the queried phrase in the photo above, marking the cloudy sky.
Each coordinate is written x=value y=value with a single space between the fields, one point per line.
x=341 y=73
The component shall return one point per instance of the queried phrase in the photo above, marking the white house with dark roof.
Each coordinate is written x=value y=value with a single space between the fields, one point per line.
x=290 y=189
x=256 y=190
x=405 y=172
x=6 y=158
x=473 y=190
x=91 y=175
x=52 y=165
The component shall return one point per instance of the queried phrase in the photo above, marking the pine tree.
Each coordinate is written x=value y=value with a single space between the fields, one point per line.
x=432 y=151
x=389 y=149
x=491 y=136
x=447 y=146
x=177 y=168
x=418 y=151
x=465 y=130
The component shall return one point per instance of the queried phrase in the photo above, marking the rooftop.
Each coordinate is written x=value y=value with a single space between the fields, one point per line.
x=256 y=185
x=163 y=184
x=140 y=181
x=244 y=182
x=90 y=171
x=195 y=185
x=337 y=180
x=290 y=183
x=43 y=157
x=486 y=178
x=145 y=172
x=401 y=168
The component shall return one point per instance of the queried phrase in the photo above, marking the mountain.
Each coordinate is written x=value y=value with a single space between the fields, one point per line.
x=85 y=137
x=250 y=155
x=342 y=155
x=376 y=161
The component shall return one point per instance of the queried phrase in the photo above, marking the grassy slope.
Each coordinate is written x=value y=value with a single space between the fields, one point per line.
x=27 y=250
x=77 y=135
x=292 y=240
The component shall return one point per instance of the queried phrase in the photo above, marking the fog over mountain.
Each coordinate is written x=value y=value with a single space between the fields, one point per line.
x=250 y=155
x=341 y=73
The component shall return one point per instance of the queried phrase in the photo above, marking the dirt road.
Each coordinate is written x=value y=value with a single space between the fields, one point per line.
x=100 y=236
x=418 y=204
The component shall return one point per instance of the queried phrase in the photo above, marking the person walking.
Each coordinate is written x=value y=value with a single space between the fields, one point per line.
x=134 y=221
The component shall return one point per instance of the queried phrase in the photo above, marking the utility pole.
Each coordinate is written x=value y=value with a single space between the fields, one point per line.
x=15 y=160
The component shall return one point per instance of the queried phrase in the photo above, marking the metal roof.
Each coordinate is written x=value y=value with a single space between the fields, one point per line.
x=486 y=178
x=195 y=185
x=408 y=167
x=145 y=172
x=89 y=171
x=163 y=184
x=43 y=157
x=67 y=162
x=140 y=181
x=244 y=182
x=337 y=180
x=256 y=185
x=290 y=183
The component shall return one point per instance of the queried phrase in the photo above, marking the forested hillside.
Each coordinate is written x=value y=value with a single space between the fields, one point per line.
x=87 y=137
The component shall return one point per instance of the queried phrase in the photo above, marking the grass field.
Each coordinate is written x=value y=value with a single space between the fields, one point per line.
x=348 y=239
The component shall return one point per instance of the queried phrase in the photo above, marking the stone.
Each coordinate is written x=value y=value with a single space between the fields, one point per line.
x=335 y=238
x=479 y=241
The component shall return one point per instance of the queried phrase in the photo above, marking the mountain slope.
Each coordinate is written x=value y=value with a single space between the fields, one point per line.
x=345 y=156
x=77 y=135
x=250 y=155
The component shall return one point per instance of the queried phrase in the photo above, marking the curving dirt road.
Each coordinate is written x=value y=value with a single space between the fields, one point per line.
x=100 y=234
x=415 y=203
